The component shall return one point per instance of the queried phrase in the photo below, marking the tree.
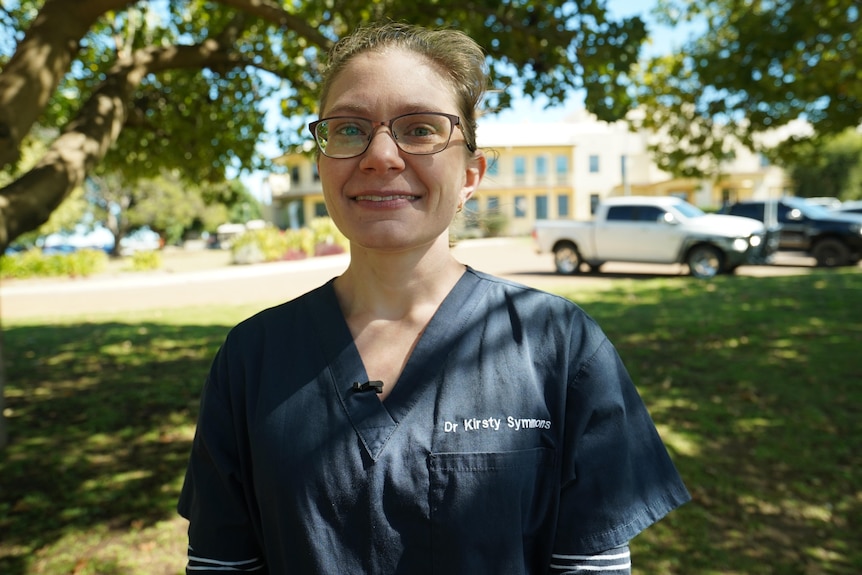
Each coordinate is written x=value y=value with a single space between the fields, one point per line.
x=138 y=87
x=760 y=66
x=832 y=169
x=124 y=207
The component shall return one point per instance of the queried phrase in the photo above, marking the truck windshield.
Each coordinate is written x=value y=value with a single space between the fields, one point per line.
x=809 y=210
x=689 y=210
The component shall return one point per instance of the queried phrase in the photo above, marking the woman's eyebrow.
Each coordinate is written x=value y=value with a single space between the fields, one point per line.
x=363 y=112
x=347 y=110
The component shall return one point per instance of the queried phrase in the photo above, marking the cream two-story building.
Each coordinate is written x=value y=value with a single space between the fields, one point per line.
x=549 y=170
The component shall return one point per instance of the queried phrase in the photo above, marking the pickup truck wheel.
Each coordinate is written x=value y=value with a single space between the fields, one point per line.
x=704 y=262
x=831 y=253
x=567 y=259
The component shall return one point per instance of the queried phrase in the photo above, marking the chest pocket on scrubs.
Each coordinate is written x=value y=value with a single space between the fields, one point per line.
x=487 y=509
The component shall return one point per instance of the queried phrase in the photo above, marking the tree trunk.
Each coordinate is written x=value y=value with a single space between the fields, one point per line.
x=4 y=434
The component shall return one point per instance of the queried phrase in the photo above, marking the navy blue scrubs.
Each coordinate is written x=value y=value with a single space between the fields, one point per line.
x=513 y=434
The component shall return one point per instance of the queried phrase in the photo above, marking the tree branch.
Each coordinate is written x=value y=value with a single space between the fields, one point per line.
x=87 y=138
x=39 y=64
x=274 y=13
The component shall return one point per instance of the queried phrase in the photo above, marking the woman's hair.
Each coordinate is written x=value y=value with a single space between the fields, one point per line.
x=455 y=54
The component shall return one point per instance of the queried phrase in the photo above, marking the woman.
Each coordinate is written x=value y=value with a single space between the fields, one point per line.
x=414 y=415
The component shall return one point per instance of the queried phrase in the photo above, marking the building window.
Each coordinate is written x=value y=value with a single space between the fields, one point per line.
x=563 y=206
x=294 y=175
x=493 y=203
x=562 y=166
x=541 y=168
x=594 y=164
x=320 y=210
x=520 y=168
x=493 y=167
x=520 y=207
x=314 y=173
x=594 y=203
x=541 y=207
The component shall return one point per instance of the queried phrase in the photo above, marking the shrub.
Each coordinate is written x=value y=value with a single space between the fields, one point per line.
x=35 y=264
x=255 y=246
x=493 y=223
x=328 y=239
x=321 y=237
x=85 y=262
x=300 y=244
x=146 y=260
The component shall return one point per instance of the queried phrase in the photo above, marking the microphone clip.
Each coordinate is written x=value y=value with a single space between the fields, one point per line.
x=377 y=386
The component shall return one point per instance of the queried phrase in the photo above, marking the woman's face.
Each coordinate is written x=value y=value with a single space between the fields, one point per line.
x=387 y=199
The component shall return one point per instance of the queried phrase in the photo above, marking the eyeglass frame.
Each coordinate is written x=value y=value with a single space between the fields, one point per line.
x=454 y=120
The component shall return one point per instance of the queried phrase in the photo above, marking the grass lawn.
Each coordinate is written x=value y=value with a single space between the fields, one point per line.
x=755 y=384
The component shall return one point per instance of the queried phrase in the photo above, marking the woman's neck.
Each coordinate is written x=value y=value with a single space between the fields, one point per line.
x=396 y=285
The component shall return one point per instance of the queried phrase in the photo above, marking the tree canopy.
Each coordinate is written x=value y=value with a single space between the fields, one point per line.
x=832 y=168
x=759 y=66
x=141 y=87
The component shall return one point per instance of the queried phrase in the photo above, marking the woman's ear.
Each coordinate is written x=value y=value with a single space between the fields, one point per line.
x=476 y=167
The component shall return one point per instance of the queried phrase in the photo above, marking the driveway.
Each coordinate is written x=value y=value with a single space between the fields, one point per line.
x=190 y=279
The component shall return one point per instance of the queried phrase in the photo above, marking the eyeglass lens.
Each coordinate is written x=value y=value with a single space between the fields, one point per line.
x=345 y=137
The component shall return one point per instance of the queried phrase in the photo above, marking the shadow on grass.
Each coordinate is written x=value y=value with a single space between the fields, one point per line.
x=101 y=418
x=755 y=384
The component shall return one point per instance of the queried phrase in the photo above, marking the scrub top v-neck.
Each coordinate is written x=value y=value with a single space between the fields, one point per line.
x=375 y=421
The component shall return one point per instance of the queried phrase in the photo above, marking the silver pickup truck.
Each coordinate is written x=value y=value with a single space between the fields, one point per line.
x=650 y=229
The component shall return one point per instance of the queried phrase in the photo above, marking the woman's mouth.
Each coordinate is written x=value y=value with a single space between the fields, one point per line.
x=391 y=198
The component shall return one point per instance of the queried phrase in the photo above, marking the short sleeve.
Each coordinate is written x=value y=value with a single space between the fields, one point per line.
x=617 y=476
x=216 y=496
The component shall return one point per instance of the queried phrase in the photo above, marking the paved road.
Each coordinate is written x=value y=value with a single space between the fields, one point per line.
x=271 y=283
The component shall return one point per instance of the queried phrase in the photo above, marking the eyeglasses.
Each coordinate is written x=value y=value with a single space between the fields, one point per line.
x=419 y=134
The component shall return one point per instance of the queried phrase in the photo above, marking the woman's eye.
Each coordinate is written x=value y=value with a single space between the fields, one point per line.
x=420 y=131
x=348 y=130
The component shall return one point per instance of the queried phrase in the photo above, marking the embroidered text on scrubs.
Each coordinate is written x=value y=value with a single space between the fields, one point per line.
x=473 y=424
x=494 y=424
x=519 y=424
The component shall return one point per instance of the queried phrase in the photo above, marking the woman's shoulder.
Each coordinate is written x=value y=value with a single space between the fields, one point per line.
x=538 y=306
x=288 y=313
x=525 y=294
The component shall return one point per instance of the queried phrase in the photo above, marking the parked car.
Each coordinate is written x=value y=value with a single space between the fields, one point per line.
x=828 y=202
x=59 y=249
x=653 y=230
x=849 y=207
x=830 y=237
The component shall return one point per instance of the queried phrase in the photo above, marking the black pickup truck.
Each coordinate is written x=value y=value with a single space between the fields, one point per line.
x=830 y=237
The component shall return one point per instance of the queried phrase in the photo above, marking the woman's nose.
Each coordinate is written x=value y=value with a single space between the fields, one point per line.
x=382 y=148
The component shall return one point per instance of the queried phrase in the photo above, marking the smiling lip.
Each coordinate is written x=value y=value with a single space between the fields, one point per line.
x=389 y=198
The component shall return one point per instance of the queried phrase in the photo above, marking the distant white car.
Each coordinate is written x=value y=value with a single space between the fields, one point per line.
x=654 y=230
